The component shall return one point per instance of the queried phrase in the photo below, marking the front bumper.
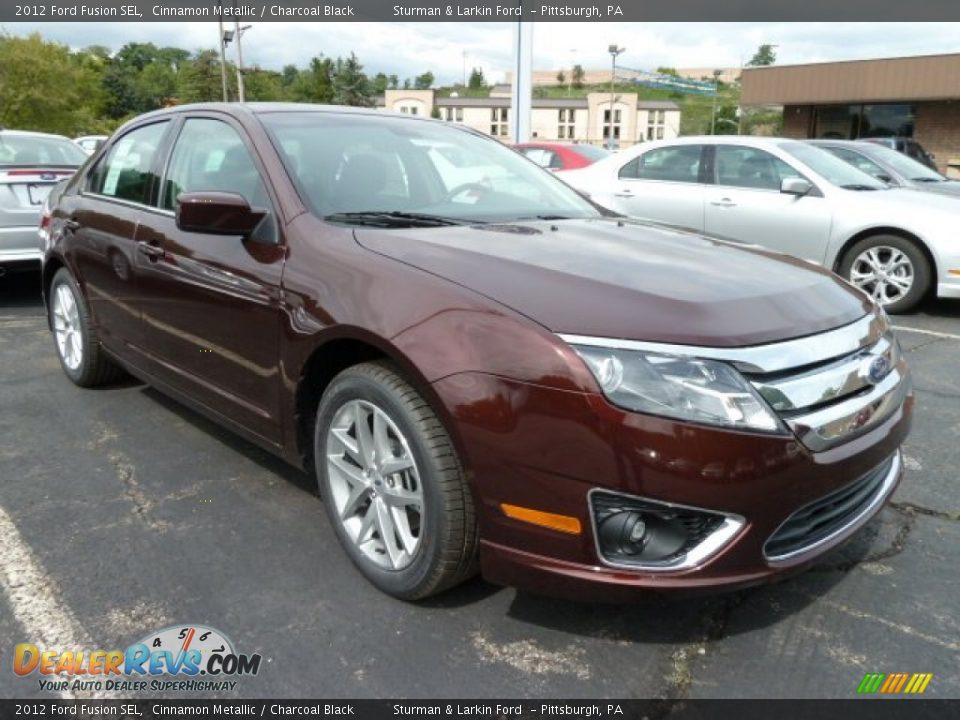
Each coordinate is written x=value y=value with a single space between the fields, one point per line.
x=543 y=448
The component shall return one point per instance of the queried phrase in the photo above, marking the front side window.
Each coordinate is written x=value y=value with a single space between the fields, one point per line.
x=831 y=168
x=210 y=157
x=748 y=167
x=677 y=163
x=126 y=173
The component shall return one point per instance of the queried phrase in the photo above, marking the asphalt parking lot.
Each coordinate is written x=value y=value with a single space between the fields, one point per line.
x=122 y=512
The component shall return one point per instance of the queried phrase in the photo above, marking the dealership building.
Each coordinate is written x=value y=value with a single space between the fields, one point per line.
x=917 y=97
x=584 y=119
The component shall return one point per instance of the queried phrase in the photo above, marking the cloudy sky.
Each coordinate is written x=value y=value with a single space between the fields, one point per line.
x=408 y=49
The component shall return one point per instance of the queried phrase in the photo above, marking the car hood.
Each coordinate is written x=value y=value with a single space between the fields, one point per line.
x=624 y=279
x=951 y=188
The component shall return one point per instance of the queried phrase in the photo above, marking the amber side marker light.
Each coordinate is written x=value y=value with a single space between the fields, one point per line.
x=954 y=272
x=561 y=523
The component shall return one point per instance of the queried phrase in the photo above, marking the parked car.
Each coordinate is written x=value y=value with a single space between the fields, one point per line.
x=910 y=148
x=562 y=156
x=89 y=143
x=582 y=404
x=896 y=245
x=30 y=164
x=889 y=166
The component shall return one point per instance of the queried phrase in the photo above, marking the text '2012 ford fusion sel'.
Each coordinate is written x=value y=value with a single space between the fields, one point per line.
x=482 y=368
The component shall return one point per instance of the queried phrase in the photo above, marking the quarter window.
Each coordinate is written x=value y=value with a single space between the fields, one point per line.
x=677 y=163
x=748 y=167
x=126 y=173
x=210 y=157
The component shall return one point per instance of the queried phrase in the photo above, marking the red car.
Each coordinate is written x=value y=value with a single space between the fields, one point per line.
x=504 y=377
x=562 y=156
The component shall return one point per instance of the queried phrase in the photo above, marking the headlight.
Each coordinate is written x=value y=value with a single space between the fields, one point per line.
x=704 y=391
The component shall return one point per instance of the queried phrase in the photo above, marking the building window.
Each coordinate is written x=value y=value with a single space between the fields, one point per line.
x=615 y=125
x=454 y=114
x=499 y=125
x=566 y=123
x=849 y=122
x=656 y=121
x=408 y=109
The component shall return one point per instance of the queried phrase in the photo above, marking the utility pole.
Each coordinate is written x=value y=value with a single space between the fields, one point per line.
x=522 y=90
x=614 y=51
x=573 y=57
x=223 y=55
x=464 y=68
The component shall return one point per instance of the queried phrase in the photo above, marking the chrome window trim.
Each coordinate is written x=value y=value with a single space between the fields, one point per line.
x=770 y=358
x=127 y=203
x=699 y=555
x=854 y=523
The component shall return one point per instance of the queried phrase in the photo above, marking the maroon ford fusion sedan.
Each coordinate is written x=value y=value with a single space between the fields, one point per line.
x=480 y=373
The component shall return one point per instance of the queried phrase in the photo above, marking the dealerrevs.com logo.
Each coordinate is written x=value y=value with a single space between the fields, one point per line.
x=177 y=658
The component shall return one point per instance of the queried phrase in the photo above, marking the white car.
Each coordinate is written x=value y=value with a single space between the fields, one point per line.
x=89 y=143
x=897 y=245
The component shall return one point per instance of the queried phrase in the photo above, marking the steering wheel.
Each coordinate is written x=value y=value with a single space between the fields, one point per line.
x=460 y=189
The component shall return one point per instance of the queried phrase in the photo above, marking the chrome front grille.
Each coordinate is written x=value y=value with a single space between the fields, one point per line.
x=817 y=524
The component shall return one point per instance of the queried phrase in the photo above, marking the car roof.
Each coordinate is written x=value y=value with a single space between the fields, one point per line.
x=31 y=133
x=751 y=140
x=257 y=108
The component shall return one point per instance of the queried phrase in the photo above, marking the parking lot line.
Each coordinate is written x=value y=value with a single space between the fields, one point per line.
x=932 y=333
x=32 y=595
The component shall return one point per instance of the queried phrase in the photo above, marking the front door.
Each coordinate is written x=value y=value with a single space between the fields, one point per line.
x=211 y=302
x=746 y=205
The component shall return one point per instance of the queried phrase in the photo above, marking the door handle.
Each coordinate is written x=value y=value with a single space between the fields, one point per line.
x=151 y=251
x=724 y=202
x=624 y=194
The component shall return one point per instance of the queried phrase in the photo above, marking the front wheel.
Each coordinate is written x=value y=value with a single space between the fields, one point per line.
x=392 y=484
x=889 y=268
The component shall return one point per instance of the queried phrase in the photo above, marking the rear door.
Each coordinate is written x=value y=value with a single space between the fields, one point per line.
x=211 y=302
x=746 y=204
x=116 y=194
x=664 y=184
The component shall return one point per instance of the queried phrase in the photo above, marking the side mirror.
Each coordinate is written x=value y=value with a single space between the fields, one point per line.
x=217 y=213
x=795 y=186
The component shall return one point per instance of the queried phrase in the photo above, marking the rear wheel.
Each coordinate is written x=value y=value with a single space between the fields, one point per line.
x=893 y=270
x=78 y=347
x=392 y=484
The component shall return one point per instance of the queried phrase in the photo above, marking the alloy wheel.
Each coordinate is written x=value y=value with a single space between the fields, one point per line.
x=66 y=327
x=883 y=272
x=375 y=484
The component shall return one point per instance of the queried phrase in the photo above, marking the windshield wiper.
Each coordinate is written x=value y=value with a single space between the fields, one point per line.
x=857 y=186
x=393 y=218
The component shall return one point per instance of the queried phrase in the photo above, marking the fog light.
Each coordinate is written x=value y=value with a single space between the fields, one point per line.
x=645 y=534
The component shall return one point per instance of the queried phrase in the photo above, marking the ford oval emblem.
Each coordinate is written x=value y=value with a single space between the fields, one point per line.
x=875 y=369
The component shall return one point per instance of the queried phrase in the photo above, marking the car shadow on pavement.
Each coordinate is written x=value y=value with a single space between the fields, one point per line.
x=21 y=290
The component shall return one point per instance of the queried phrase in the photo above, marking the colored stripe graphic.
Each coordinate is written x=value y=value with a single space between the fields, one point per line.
x=894 y=683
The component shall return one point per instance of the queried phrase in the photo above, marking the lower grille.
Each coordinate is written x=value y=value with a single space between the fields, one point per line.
x=817 y=522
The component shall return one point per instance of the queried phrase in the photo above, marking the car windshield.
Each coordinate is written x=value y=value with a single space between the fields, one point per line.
x=396 y=172
x=831 y=168
x=39 y=150
x=905 y=166
x=591 y=152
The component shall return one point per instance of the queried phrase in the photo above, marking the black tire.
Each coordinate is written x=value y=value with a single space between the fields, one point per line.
x=922 y=272
x=446 y=555
x=94 y=367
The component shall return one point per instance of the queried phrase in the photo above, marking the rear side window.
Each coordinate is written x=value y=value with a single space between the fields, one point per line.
x=39 y=150
x=210 y=156
x=678 y=163
x=126 y=173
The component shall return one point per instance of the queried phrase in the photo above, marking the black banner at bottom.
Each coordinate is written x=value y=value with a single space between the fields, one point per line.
x=854 y=709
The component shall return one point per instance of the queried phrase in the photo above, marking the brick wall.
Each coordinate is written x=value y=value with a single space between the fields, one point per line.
x=796 y=121
x=937 y=128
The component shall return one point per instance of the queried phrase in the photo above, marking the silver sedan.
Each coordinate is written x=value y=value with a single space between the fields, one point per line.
x=897 y=245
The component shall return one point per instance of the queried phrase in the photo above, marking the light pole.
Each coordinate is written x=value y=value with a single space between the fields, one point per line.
x=223 y=55
x=573 y=57
x=614 y=50
x=239 y=31
x=713 y=111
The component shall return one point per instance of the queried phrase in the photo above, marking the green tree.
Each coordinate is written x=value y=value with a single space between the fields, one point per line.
x=424 y=82
x=578 y=75
x=477 y=80
x=199 y=81
x=263 y=85
x=379 y=83
x=289 y=75
x=351 y=86
x=764 y=55
x=394 y=82
x=561 y=77
x=668 y=71
x=315 y=84
x=44 y=87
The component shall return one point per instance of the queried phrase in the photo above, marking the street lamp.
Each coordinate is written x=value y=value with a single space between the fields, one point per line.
x=713 y=111
x=614 y=50
x=238 y=33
